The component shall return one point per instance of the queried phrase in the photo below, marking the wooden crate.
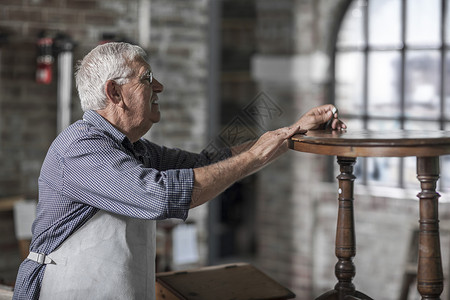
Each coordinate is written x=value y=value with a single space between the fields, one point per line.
x=239 y=281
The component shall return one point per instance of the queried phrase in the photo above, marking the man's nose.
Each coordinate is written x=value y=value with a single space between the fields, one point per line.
x=157 y=86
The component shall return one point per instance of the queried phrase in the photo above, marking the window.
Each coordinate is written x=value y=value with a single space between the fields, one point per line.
x=392 y=69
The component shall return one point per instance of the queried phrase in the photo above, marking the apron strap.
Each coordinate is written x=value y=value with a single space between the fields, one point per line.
x=40 y=258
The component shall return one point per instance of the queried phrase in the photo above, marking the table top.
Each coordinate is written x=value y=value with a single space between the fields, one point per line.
x=367 y=143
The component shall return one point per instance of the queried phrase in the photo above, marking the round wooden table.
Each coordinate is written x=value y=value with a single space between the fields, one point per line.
x=347 y=145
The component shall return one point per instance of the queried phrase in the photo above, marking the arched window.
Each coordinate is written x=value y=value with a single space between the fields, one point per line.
x=392 y=71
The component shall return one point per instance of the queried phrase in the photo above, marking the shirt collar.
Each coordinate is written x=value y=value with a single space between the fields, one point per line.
x=98 y=121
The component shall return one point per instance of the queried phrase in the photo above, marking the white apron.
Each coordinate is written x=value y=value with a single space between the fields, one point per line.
x=109 y=257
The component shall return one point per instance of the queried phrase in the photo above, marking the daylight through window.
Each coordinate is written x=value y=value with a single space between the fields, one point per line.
x=392 y=72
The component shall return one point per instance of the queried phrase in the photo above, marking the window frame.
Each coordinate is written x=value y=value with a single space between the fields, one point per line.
x=443 y=47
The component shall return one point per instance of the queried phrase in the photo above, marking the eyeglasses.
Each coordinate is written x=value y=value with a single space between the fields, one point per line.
x=148 y=76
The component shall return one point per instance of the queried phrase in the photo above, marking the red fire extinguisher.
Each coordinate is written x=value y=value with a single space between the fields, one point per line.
x=44 y=70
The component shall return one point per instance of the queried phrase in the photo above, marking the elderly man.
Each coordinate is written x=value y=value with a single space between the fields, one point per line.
x=102 y=185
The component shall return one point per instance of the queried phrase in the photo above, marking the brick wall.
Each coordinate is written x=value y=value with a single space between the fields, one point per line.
x=28 y=109
x=179 y=58
x=177 y=45
x=282 y=68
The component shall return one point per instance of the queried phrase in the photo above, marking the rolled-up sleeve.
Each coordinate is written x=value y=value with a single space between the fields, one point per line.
x=105 y=176
x=180 y=185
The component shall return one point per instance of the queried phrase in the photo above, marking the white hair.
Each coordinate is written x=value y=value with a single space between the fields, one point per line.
x=110 y=61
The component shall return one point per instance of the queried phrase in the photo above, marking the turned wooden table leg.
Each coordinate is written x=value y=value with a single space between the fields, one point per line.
x=345 y=233
x=345 y=237
x=429 y=275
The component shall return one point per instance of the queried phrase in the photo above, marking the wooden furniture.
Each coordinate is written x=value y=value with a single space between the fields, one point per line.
x=236 y=281
x=347 y=145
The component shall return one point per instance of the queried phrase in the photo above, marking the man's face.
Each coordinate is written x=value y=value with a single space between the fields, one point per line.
x=141 y=98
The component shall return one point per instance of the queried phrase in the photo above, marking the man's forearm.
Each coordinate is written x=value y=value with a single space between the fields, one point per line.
x=210 y=181
x=235 y=150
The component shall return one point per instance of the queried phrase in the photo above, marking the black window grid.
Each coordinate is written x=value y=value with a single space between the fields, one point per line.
x=444 y=52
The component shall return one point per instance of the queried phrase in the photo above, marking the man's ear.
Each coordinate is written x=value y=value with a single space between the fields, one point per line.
x=113 y=92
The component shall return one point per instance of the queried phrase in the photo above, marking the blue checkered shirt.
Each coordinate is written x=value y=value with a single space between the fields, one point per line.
x=92 y=166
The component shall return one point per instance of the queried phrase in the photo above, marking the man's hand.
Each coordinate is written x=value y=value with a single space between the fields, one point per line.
x=272 y=144
x=318 y=116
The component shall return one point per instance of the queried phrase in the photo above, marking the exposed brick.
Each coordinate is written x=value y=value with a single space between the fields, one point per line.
x=83 y=4
x=66 y=17
x=44 y=3
x=7 y=3
x=99 y=18
x=25 y=14
x=28 y=110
